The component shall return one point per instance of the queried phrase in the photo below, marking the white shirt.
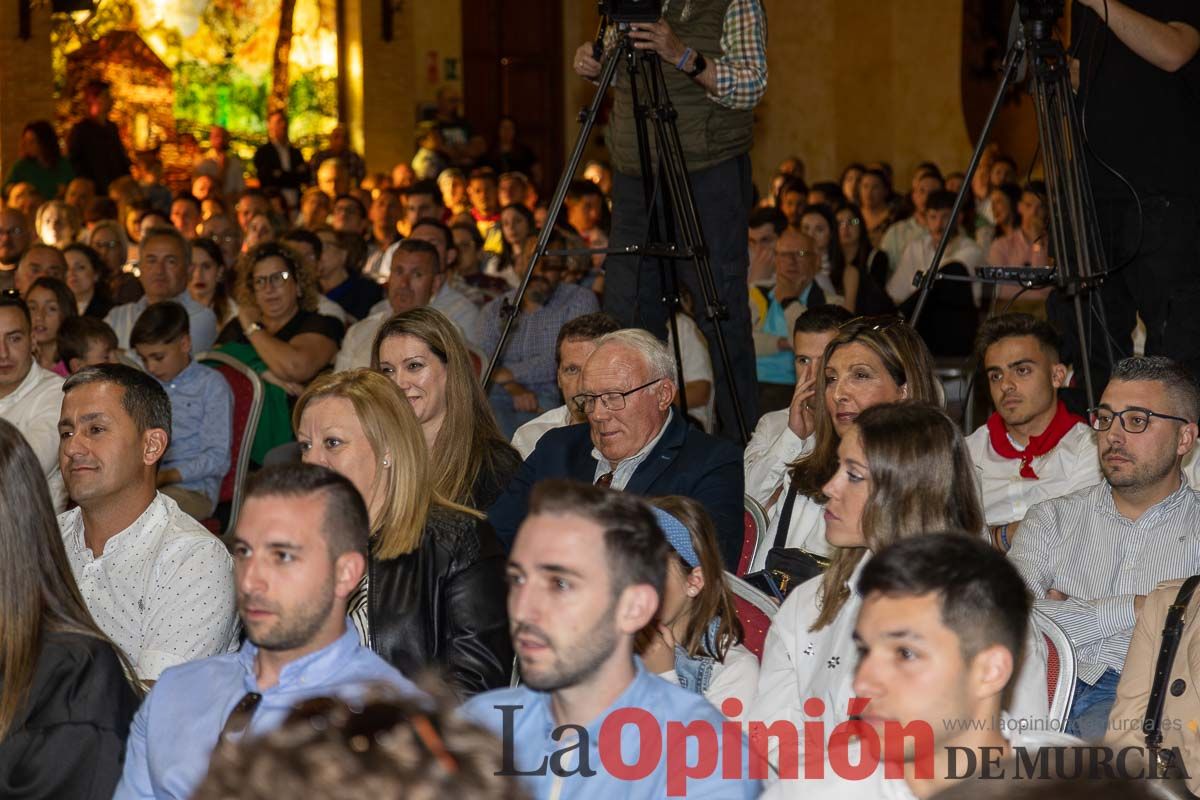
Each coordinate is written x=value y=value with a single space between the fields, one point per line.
x=202 y=322
x=623 y=470
x=451 y=302
x=798 y=664
x=919 y=253
x=1073 y=464
x=356 y=345
x=33 y=409
x=736 y=676
x=162 y=590
x=772 y=447
x=878 y=787
x=697 y=365
x=528 y=435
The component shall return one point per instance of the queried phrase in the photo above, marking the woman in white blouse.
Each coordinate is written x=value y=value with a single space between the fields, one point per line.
x=871 y=360
x=696 y=641
x=903 y=470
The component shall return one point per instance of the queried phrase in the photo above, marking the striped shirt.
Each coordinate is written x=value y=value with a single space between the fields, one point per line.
x=1081 y=546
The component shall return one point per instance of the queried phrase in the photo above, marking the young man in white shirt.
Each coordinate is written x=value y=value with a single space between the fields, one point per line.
x=30 y=395
x=939 y=636
x=919 y=252
x=155 y=580
x=576 y=341
x=1032 y=448
x=784 y=435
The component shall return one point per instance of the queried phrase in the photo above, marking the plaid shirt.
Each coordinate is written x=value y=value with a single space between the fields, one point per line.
x=741 y=69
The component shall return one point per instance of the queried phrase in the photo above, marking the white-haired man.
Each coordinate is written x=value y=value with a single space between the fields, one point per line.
x=635 y=441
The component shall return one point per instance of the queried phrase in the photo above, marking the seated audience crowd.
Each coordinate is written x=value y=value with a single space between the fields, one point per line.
x=266 y=526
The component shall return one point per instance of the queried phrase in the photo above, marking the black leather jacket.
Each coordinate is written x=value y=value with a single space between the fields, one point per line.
x=443 y=606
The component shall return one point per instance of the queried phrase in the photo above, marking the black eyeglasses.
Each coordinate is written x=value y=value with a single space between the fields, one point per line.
x=612 y=401
x=1133 y=420
x=242 y=713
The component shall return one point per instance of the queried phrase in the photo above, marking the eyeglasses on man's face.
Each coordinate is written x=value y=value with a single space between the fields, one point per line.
x=1133 y=420
x=275 y=279
x=612 y=401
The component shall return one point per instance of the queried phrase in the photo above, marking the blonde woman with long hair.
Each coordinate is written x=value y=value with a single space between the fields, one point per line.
x=423 y=353
x=903 y=470
x=434 y=593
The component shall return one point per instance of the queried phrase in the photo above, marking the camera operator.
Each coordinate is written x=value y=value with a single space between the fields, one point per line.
x=714 y=62
x=1139 y=89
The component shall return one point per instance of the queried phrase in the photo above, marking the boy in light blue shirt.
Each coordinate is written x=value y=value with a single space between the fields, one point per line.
x=201 y=409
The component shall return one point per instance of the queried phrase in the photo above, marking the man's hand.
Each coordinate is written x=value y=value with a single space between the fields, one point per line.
x=586 y=65
x=1139 y=600
x=523 y=399
x=1055 y=594
x=800 y=413
x=658 y=37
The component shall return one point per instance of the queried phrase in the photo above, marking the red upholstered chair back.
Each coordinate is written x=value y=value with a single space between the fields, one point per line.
x=755 y=625
x=1052 y=668
x=247 y=408
x=754 y=523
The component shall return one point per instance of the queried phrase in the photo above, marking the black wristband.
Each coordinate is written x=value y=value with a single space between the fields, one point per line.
x=697 y=66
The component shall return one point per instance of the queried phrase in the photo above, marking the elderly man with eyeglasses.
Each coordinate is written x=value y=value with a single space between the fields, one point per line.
x=635 y=441
x=1091 y=557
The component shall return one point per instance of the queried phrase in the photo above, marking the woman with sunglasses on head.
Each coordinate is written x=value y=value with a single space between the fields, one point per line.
x=434 y=592
x=871 y=360
x=66 y=701
x=845 y=279
x=423 y=353
x=902 y=470
x=696 y=640
x=277 y=324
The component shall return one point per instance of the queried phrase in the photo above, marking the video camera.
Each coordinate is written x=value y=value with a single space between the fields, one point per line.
x=1047 y=11
x=626 y=11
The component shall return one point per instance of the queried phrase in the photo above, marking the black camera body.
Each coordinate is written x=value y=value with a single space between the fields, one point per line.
x=1047 y=11
x=626 y=11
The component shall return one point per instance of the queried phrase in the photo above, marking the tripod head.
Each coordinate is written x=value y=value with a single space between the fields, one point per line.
x=1039 y=16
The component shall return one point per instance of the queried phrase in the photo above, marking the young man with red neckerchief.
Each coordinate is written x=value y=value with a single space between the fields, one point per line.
x=1031 y=448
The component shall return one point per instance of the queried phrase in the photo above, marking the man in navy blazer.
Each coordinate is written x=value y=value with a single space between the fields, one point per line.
x=635 y=441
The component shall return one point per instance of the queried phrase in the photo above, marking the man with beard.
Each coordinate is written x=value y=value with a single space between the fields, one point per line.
x=525 y=383
x=300 y=549
x=585 y=577
x=1032 y=448
x=1091 y=557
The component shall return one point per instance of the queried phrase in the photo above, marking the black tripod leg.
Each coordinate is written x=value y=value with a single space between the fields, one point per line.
x=556 y=203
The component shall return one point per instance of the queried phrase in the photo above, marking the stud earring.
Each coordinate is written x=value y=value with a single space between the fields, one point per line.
x=387 y=463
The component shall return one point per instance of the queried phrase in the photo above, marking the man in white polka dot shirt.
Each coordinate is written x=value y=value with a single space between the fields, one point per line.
x=155 y=580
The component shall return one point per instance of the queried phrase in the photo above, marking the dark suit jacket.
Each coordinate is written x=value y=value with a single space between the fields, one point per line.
x=686 y=461
x=271 y=173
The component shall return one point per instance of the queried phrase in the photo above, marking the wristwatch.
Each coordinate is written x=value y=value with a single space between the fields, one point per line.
x=252 y=328
x=697 y=66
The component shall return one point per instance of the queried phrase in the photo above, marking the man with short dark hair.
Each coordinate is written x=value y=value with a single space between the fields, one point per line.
x=226 y=234
x=186 y=214
x=155 y=580
x=279 y=163
x=94 y=144
x=413 y=280
x=940 y=637
x=165 y=259
x=1091 y=557
x=918 y=252
x=586 y=575
x=30 y=395
x=766 y=225
x=576 y=343
x=349 y=215
x=523 y=384
x=900 y=234
x=300 y=550
x=635 y=440
x=40 y=260
x=15 y=235
x=1032 y=448
x=585 y=208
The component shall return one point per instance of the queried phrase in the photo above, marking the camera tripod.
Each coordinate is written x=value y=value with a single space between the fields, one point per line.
x=668 y=197
x=1074 y=232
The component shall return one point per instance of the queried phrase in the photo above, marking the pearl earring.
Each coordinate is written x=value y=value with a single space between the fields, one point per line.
x=387 y=463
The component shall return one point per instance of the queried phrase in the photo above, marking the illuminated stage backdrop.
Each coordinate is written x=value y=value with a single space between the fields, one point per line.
x=179 y=66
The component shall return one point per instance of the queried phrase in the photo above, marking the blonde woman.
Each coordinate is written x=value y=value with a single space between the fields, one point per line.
x=434 y=593
x=423 y=353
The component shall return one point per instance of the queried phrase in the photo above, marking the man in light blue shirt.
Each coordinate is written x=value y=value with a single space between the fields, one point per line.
x=164 y=260
x=201 y=410
x=299 y=552
x=585 y=576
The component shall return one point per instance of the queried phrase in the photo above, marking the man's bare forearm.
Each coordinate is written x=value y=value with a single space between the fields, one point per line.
x=1166 y=45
